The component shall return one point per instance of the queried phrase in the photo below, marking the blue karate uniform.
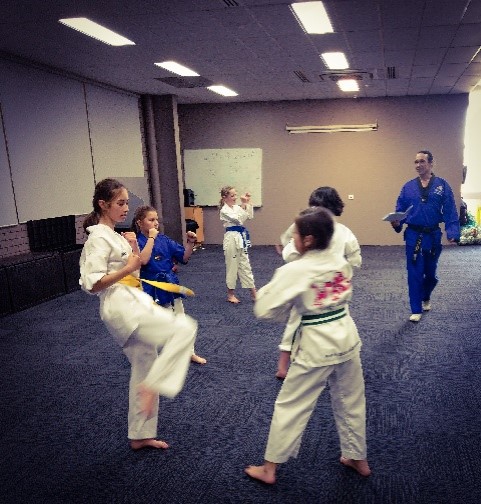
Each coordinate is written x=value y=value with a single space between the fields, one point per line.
x=430 y=206
x=159 y=267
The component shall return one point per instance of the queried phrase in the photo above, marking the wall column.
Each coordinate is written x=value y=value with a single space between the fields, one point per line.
x=164 y=162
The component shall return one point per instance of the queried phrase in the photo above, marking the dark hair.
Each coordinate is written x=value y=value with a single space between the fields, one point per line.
x=327 y=197
x=318 y=223
x=428 y=154
x=140 y=214
x=105 y=190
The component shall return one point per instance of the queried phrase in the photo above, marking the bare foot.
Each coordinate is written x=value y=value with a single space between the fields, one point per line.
x=138 y=444
x=261 y=473
x=280 y=375
x=253 y=294
x=361 y=466
x=199 y=360
x=232 y=299
x=147 y=400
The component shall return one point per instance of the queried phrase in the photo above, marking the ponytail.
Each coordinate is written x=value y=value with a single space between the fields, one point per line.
x=91 y=220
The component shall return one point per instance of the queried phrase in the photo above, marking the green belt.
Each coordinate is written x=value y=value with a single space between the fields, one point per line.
x=323 y=318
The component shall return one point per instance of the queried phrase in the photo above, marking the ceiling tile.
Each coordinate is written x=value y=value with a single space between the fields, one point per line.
x=255 y=47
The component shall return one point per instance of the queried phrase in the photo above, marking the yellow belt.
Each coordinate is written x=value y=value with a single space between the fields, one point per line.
x=132 y=281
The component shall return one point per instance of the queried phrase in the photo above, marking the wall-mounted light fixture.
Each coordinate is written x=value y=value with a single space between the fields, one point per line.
x=332 y=128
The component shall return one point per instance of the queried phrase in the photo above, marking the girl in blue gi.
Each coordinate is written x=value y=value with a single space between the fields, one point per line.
x=236 y=241
x=109 y=268
x=159 y=255
x=326 y=349
x=432 y=202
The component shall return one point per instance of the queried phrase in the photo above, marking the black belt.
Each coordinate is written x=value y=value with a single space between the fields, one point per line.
x=422 y=229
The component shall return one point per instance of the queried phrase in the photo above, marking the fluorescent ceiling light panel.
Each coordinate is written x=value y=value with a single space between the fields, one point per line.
x=348 y=85
x=96 y=31
x=177 y=68
x=312 y=16
x=222 y=90
x=335 y=60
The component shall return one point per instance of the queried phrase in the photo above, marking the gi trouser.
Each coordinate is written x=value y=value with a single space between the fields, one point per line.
x=288 y=335
x=165 y=372
x=422 y=277
x=297 y=400
x=236 y=264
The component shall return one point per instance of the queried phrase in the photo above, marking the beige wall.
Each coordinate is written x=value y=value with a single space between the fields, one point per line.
x=372 y=165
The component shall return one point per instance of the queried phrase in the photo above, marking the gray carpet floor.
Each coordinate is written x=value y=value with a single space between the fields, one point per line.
x=63 y=398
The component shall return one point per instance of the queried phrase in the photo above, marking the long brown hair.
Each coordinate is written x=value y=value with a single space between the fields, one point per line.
x=140 y=214
x=105 y=190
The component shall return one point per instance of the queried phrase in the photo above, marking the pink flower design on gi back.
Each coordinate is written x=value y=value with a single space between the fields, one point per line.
x=331 y=292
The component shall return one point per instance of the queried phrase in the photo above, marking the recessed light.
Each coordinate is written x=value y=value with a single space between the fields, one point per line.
x=348 y=85
x=222 y=90
x=96 y=31
x=312 y=16
x=335 y=60
x=177 y=68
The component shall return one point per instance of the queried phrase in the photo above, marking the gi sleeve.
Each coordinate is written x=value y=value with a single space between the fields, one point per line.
x=286 y=236
x=352 y=251
x=289 y=252
x=94 y=262
x=249 y=210
x=402 y=204
x=450 y=214
x=236 y=215
x=275 y=300
x=177 y=251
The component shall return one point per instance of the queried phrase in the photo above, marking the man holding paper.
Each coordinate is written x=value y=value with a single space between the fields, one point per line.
x=432 y=201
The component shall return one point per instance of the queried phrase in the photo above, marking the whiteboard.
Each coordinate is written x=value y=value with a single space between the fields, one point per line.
x=206 y=171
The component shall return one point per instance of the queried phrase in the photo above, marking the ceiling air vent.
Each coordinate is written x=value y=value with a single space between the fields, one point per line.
x=186 y=82
x=230 y=3
x=391 y=72
x=335 y=76
x=300 y=75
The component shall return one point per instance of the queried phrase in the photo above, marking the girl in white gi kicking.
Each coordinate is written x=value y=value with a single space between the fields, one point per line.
x=326 y=349
x=109 y=268
x=343 y=242
x=236 y=241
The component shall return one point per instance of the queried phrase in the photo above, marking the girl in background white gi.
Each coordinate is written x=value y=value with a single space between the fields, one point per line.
x=109 y=267
x=343 y=242
x=327 y=348
x=236 y=241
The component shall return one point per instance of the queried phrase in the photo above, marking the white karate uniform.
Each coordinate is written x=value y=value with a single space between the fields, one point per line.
x=343 y=243
x=235 y=247
x=139 y=326
x=326 y=351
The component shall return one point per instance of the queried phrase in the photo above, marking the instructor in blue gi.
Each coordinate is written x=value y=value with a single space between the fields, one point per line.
x=432 y=202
